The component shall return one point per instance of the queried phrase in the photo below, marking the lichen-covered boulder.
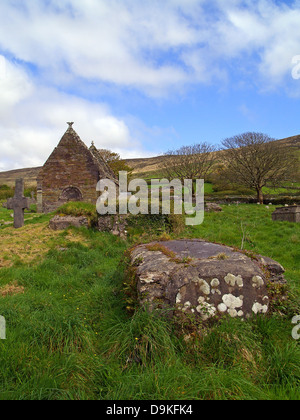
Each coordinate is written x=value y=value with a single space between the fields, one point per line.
x=212 y=208
x=203 y=278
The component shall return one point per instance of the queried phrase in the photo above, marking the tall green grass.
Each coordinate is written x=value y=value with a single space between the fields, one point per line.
x=69 y=336
x=252 y=227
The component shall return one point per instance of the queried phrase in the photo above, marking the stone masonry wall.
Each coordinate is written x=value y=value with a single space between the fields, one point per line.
x=70 y=165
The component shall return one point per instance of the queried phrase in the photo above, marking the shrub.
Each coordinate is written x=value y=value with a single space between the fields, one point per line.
x=28 y=191
x=6 y=192
x=157 y=224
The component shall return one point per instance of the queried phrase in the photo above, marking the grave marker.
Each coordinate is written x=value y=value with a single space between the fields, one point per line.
x=18 y=204
x=287 y=214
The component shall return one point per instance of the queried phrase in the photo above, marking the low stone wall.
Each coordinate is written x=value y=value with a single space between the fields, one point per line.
x=64 y=222
x=277 y=201
x=115 y=224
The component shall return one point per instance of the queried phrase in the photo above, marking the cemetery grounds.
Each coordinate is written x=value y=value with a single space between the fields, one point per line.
x=73 y=332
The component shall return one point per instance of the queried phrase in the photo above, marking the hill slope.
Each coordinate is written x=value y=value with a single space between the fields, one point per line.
x=29 y=175
x=140 y=166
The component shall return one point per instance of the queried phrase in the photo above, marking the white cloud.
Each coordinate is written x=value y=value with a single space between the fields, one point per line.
x=266 y=29
x=110 y=41
x=156 y=47
x=14 y=87
x=151 y=45
x=33 y=117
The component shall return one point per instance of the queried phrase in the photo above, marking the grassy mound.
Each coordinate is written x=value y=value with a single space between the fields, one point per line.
x=78 y=209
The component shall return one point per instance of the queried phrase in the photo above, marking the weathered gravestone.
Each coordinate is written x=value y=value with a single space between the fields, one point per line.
x=287 y=214
x=64 y=222
x=18 y=204
x=202 y=278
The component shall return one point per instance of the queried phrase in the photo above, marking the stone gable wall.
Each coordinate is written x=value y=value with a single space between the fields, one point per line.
x=70 y=165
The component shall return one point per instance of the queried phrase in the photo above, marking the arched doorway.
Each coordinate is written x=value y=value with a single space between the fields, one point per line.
x=70 y=194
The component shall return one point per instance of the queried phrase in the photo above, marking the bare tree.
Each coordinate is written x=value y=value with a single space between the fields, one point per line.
x=189 y=162
x=256 y=160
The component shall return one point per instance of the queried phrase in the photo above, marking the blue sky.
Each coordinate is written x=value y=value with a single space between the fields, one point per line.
x=141 y=77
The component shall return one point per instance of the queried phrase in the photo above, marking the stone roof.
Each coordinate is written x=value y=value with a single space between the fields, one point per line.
x=101 y=163
x=91 y=153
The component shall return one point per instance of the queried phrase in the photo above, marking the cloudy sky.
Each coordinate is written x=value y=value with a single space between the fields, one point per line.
x=141 y=77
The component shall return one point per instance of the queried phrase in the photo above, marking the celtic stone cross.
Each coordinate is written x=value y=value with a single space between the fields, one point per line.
x=18 y=204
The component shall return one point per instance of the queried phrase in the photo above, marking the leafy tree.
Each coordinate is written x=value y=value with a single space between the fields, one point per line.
x=114 y=161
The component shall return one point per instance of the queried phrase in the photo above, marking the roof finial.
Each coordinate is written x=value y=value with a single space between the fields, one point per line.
x=70 y=124
x=93 y=144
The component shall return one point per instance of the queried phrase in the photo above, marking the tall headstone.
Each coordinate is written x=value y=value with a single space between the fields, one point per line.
x=18 y=204
x=39 y=200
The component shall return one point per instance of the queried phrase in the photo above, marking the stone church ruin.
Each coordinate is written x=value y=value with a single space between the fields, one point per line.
x=71 y=173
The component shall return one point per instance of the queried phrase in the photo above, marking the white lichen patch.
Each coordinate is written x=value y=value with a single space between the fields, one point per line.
x=178 y=298
x=233 y=313
x=215 y=283
x=222 y=308
x=186 y=306
x=148 y=278
x=233 y=280
x=257 y=282
x=258 y=308
x=204 y=287
x=217 y=291
x=232 y=302
x=206 y=311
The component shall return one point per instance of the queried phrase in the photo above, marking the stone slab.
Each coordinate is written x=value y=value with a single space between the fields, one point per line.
x=64 y=222
x=198 y=248
x=202 y=278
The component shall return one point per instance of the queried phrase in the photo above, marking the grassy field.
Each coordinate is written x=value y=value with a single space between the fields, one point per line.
x=289 y=188
x=69 y=336
x=6 y=216
x=280 y=240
